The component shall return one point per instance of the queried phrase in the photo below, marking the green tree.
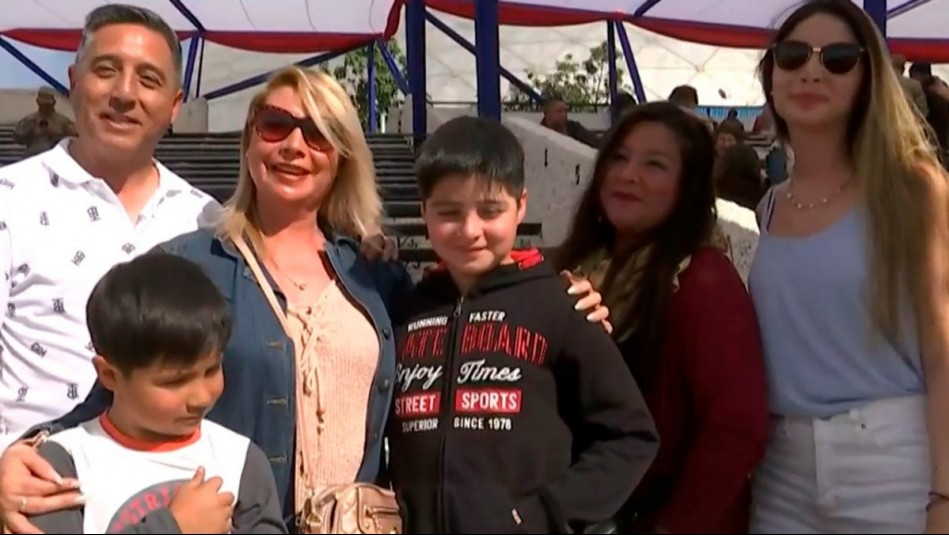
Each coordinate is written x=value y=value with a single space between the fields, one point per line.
x=584 y=84
x=353 y=73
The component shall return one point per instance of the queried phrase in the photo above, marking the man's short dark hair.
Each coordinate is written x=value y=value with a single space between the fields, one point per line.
x=471 y=146
x=157 y=308
x=550 y=99
x=111 y=14
x=684 y=95
x=921 y=69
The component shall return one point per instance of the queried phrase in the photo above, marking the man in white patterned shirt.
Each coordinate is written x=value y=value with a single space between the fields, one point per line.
x=69 y=214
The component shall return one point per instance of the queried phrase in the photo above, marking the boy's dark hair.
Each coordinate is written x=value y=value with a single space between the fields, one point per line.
x=471 y=146
x=158 y=307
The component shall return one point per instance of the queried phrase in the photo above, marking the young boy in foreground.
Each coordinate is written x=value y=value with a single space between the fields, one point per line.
x=512 y=412
x=151 y=463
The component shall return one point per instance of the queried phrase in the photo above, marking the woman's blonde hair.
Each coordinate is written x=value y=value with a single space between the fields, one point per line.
x=904 y=182
x=353 y=206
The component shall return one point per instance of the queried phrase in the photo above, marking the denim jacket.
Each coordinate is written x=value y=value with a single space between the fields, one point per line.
x=259 y=398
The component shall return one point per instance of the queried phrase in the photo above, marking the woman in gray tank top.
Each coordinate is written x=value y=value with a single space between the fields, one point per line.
x=850 y=287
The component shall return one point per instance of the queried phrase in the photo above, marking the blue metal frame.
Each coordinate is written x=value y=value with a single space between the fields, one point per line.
x=261 y=78
x=462 y=42
x=488 y=58
x=611 y=60
x=394 y=68
x=631 y=62
x=643 y=9
x=32 y=66
x=909 y=5
x=186 y=13
x=415 y=57
x=189 y=65
x=373 y=118
x=877 y=11
x=415 y=17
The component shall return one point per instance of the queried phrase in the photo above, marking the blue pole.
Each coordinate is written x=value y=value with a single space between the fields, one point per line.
x=644 y=8
x=631 y=63
x=188 y=14
x=261 y=78
x=488 y=59
x=877 y=11
x=611 y=58
x=371 y=86
x=394 y=68
x=32 y=66
x=462 y=42
x=415 y=58
x=189 y=65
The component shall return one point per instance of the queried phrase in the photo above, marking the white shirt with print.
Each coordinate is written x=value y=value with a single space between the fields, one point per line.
x=61 y=229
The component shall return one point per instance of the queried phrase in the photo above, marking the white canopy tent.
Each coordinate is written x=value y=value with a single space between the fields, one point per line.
x=273 y=33
x=916 y=28
x=287 y=26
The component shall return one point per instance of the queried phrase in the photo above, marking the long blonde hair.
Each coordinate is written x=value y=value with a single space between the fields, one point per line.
x=903 y=179
x=353 y=206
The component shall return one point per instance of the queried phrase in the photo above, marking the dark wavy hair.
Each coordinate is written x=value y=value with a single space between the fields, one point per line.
x=687 y=228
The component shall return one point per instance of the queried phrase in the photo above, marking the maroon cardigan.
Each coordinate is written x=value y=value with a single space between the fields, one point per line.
x=708 y=396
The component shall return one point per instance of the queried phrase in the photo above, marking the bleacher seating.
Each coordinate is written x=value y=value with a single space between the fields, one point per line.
x=211 y=163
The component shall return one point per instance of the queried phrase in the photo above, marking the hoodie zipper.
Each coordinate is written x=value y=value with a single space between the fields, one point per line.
x=448 y=407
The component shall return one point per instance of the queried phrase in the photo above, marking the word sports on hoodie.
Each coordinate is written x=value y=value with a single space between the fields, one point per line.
x=512 y=413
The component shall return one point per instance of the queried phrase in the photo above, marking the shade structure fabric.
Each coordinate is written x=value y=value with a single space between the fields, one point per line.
x=283 y=26
x=915 y=28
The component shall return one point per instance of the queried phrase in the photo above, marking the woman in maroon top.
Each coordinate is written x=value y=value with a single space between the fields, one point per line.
x=645 y=233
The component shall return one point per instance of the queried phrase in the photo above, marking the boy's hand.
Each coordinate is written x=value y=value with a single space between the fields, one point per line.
x=378 y=247
x=199 y=506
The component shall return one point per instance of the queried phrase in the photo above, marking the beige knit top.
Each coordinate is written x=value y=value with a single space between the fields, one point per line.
x=337 y=352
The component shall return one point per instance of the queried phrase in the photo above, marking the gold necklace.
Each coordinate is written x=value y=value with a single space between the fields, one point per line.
x=300 y=286
x=811 y=205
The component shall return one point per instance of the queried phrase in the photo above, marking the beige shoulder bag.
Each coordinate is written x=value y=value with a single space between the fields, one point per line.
x=347 y=508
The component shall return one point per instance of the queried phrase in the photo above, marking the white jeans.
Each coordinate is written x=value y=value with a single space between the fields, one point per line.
x=866 y=471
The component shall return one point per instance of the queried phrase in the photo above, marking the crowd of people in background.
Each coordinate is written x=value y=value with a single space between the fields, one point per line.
x=724 y=342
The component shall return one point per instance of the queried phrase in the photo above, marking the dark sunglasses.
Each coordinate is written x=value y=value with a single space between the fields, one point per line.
x=276 y=124
x=837 y=58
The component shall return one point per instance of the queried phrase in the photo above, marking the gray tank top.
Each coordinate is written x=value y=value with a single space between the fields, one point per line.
x=811 y=298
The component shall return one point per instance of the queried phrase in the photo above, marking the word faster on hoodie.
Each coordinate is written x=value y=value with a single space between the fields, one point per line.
x=512 y=412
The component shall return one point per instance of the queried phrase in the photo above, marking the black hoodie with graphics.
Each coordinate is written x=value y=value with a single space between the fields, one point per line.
x=512 y=413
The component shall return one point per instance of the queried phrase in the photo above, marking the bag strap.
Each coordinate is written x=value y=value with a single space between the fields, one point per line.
x=262 y=281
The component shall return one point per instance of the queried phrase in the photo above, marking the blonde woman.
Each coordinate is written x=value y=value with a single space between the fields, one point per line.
x=309 y=378
x=849 y=284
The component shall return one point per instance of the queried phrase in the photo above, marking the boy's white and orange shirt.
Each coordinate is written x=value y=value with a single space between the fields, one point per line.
x=128 y=483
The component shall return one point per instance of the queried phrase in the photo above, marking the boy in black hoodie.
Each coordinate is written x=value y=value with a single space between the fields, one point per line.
x=512 y=413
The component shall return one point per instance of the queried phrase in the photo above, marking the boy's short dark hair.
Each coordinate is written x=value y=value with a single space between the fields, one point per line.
x=471 y=146
x=157 y=308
